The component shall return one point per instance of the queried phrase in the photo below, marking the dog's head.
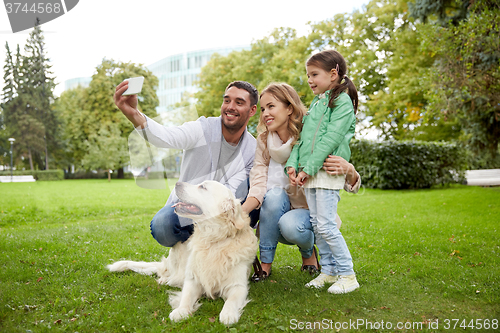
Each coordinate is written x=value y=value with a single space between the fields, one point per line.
x=209 y=201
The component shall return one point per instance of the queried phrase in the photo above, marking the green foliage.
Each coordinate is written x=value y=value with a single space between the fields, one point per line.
x=69 y=109
x=26 y=101
x=443 y=11
x=48 y=174
x=408 y=164
x=101 y=174
x=465 y=80
x=17 y=173
x=95 y=131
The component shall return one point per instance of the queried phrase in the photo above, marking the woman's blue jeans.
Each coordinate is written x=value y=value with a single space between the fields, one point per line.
x=280 y=224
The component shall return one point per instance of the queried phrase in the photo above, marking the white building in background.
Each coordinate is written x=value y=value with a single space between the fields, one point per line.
x=178 y=73
x=78 y=81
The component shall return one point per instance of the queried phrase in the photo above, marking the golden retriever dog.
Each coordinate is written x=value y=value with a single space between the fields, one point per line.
x=215 y=261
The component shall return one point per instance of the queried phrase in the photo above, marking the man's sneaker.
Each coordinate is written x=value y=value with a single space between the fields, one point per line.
x=345 y=284
x=321 y=279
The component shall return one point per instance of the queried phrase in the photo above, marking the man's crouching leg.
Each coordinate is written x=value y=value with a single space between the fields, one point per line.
x=167 y=229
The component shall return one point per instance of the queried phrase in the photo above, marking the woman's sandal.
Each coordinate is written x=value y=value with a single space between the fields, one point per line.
x=259 y=274
x=311 y=268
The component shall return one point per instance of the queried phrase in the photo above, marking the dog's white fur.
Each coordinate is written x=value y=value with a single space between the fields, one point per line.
x=215 y=261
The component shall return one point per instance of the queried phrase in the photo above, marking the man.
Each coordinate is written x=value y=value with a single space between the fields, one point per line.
x=214 y=148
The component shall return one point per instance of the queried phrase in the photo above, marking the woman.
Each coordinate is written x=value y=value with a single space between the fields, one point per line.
x=284 y=216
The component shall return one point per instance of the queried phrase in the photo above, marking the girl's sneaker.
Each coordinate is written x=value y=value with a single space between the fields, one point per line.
x=321 y=279
x=345 y=284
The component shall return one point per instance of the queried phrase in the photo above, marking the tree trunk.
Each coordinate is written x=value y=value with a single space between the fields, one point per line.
x=30 y=158
x=109 y=175
x=46 y=155
x=121 y=174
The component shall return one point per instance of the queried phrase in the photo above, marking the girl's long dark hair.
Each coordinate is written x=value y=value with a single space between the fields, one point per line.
x=331 y=59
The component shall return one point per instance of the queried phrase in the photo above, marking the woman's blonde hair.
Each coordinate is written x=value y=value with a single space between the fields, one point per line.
x=288 y=96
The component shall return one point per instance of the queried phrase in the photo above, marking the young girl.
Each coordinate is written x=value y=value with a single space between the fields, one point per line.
x=327 y=129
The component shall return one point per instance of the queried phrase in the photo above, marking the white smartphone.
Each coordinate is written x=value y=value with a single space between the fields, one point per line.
x=134 y=85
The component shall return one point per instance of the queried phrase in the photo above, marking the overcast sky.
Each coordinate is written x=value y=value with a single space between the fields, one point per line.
x=150 y=30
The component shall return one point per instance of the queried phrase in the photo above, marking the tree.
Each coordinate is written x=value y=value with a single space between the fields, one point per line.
x=69 y=109
x=39 y=85
x=8 y=92
x=18 y=111
x=445 y=11
x=95 y=130
x=105 y=149
x=465 y=80
x=26 y=101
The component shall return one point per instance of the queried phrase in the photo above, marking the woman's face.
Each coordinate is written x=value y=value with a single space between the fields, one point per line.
x=275 y=115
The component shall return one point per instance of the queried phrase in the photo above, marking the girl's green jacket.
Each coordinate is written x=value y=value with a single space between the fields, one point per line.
x=326 y=131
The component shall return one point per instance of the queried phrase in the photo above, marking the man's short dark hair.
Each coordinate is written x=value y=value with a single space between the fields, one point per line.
x=254 y=94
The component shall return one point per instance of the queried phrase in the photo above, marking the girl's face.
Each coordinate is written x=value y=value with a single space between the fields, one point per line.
x=320 y=80
x=275 y=115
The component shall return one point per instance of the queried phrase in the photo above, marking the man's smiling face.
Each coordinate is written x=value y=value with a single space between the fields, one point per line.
x=235 y=109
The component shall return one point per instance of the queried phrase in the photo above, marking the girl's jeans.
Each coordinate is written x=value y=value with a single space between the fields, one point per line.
x=323 y=209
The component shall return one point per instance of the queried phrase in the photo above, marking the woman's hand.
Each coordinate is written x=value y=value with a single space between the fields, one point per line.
x=250 y=204
x=336 y=165
x=291 y=176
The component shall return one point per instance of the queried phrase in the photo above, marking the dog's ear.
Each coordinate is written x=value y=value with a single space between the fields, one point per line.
x=232 y=210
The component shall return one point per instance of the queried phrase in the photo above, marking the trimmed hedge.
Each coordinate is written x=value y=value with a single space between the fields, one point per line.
x=37 y=174
x=101 y=174
x=408 y=164
x=49 y=175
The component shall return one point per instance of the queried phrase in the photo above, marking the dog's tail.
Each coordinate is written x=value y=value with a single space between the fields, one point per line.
x=142 y=267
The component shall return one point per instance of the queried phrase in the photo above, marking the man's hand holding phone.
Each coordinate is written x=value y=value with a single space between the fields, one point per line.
x=127 y=102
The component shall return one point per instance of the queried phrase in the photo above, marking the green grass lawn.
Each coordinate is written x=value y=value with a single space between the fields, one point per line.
x=420 y=256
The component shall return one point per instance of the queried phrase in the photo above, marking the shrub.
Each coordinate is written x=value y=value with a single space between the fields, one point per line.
x=17 y=173
x=408 y=164
x=48 y=174
x=100 y=174
x=37 y=174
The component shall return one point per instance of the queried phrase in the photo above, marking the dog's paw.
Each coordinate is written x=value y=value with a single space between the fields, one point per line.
x=179 y=314
x=228 y=317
